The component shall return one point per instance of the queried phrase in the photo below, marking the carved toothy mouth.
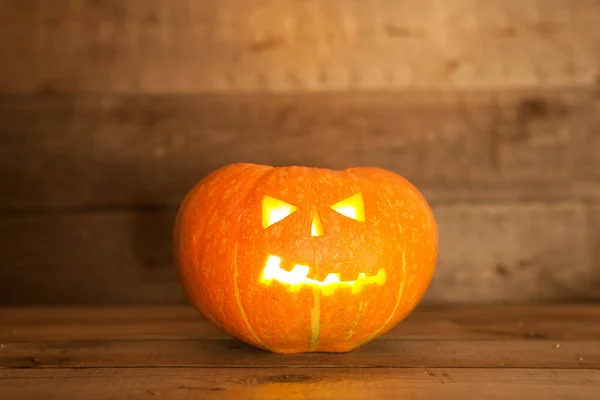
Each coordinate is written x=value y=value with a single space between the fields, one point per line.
x=298 y=277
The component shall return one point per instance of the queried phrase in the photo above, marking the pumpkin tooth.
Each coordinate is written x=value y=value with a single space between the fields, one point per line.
x=332 y=278
x=299 y=273
x=298 y=278
x=271 y=269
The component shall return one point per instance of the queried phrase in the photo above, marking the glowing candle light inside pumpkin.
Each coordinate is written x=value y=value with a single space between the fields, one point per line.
x=298 y=277
x=362 y=246
x=352 y=207
x=316 y=228
x=274 y=210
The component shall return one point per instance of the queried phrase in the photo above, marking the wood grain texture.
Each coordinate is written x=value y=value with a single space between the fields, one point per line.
x=201 y=352
x=240 y=45
x=60 y=151
x=89 y=258
x=301 y=383
x=91 y=183
x=111 y=110
x=170 y=352
x=505 y=323
x=593 y=240
x=489 y=253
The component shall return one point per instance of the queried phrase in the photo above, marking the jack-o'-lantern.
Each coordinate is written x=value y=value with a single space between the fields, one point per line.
x=298 y=259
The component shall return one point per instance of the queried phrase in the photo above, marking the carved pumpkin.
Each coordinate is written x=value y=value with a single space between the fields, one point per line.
x=297 y=259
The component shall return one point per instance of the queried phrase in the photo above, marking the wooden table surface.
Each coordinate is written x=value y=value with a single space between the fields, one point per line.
x=450 y=352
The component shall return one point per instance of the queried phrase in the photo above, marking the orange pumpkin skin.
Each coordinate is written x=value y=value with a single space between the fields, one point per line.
x=222 y=247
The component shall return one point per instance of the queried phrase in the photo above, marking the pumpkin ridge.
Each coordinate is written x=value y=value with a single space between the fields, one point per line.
x=315 y=320
x=398 y=301
x=384 y=195
x=236 y=289
x=315 y=313
x=189 y=202
x=238 y=301
x=359 y=317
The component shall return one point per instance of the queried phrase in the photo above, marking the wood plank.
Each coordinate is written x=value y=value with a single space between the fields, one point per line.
x=243 y=45
x=89 y=258
x=232 y=353
x=556 y=322
x=593 y=218
x=512 y=253
x=305 y=383
x=488 y=253
x=84 y=150
x=461 y=313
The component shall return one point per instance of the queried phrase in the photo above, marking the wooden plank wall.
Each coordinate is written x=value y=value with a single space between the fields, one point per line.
x=111 y=110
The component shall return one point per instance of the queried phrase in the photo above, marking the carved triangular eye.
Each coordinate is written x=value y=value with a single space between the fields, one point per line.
x=274 y=210
x=352 y=207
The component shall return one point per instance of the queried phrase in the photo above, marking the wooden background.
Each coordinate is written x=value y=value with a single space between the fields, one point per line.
x=111 y=110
